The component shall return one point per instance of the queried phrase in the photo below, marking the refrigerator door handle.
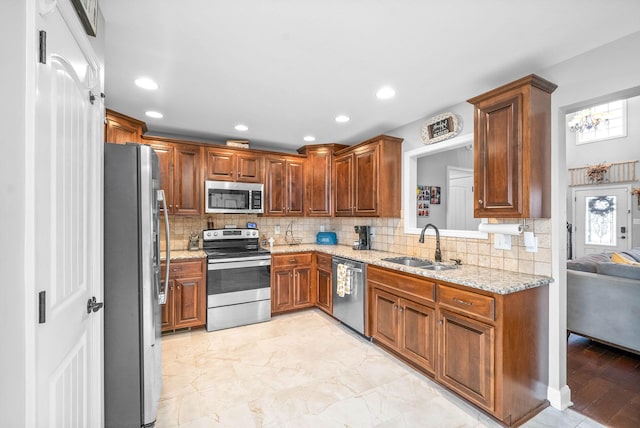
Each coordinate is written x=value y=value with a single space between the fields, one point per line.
x=162 y=295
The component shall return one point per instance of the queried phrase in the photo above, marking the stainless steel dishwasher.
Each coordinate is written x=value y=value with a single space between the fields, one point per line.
x=349 y=302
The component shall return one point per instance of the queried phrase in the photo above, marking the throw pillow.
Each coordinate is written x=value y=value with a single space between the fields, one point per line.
x=619 y=258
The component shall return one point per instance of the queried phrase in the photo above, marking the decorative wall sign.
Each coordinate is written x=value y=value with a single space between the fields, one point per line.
x=87 y=10
x=440 y=127
x=423 y=200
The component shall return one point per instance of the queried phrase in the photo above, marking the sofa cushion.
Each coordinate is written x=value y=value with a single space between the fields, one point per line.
x=623 y=258
x=618 y=269
x=589 y=262
x=634 y=253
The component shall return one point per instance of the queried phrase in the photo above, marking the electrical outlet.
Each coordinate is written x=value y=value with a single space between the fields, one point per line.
x=372 y=231
x=277 y=231
x=502 y=242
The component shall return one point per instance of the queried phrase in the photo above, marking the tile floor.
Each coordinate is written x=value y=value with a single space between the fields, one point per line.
x=307 y=370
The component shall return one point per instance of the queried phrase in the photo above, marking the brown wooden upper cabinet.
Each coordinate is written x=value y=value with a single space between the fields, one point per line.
x=234 y=165
x=512 y=150
x=284 y=185
x=318 y=189
x=180 y=176
x=122 y=129
x=367 y=178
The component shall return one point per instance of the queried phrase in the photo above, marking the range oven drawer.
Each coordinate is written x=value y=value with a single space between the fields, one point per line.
x=236 y=315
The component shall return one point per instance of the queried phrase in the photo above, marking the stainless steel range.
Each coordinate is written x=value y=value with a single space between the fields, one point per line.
x=238 y=278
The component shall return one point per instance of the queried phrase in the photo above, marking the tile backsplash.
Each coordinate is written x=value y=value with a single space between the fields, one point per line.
x=388 y=236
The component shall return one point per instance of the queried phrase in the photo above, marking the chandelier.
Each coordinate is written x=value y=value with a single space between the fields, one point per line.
x=584 y=121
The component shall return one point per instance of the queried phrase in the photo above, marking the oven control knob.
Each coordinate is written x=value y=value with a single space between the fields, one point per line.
x=215 y=233
x=254 y=233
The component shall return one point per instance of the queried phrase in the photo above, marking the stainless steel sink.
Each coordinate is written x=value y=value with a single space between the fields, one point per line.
x=409 y=261
x=419 y=263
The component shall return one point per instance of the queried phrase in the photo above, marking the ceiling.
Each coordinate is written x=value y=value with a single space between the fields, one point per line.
x=287 y=68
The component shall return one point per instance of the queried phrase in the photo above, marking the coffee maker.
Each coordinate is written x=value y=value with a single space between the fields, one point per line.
x=364 y=238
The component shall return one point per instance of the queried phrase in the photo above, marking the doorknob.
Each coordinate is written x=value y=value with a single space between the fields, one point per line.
x=93 y=306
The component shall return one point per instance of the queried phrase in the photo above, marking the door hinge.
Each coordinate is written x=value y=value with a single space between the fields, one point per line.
x=42 y=48
x=92 y=97
x=42 y=307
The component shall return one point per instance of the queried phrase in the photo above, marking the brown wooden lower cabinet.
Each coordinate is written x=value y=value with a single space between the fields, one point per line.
x=324 y=281
x=186 y=296
x=292 y=285
x=492 y=349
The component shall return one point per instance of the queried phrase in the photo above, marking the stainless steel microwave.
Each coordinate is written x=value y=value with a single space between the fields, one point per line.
x=229 y=197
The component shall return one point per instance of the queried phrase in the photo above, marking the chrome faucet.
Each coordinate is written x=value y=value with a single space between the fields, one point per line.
x=438 y=255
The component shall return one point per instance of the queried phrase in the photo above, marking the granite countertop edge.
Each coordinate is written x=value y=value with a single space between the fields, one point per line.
x=488 y=279
x=184 y=255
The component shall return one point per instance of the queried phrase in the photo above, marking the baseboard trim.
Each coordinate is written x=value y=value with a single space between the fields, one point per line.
x=559 y=398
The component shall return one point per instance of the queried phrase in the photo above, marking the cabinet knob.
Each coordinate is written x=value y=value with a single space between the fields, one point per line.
x=395 y=307
x=401 y=309
x=480 y=201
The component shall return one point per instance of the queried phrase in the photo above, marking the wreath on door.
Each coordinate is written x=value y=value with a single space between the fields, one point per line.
x=602 y=205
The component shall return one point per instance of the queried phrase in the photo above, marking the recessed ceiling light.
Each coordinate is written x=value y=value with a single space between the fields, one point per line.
x=309 y=138
x=146 y=83
x=154 y=114
x=241 y=127
x=342 y=118
x=385 y=93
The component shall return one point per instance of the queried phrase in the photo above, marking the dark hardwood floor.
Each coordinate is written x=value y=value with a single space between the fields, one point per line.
x=604 y=382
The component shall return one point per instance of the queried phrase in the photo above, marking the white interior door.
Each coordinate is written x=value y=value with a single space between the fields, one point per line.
x=460 y=199
x=601 y=219
x=68 y=228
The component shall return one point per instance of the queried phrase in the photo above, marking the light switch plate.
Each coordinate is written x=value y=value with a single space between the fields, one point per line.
x=277 y=231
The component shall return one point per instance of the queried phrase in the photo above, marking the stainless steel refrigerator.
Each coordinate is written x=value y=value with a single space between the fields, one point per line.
x=132 y=288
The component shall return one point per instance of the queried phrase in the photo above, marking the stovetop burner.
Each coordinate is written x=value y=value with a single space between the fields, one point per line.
x=232 y=243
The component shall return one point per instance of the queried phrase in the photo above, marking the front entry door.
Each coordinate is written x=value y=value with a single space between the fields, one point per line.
x=67 y=181
x=601 y=219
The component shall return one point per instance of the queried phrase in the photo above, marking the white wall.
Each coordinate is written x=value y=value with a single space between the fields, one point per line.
x=595 y=75
x=13 y=75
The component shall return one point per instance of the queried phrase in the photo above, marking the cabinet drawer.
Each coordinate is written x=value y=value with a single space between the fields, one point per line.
x=183 y=268
x=291 y=259
x=323 y=261
x=403 y=282
x=467 y=301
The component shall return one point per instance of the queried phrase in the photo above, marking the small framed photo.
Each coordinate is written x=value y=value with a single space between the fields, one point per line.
x=87 y=10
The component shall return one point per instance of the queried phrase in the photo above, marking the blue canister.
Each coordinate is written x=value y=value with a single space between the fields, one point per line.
x=326 y=238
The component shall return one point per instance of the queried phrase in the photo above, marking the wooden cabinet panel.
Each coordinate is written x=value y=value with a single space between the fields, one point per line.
x=167 y=310
x=284 y=187
x=186 y=296
x=324 y=283
x=366 y=173
x=385 y=317
x=292 y=283
x=220 y=165
x=295 y=187
x=122 y=129
x=302 y=287
x=467 y=301
x=281 y=290
x=249 y=168
x=233 y=165
x=467 y=356
x=512 y=150
x=188 y=187
x=360 y=187
x=187 y=301
x=343 y=167
x=417 y=327
x=180 y=166
x=319 y=179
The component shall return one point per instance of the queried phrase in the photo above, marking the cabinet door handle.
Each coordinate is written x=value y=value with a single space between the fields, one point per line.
x=292 y=261
x=462 y=302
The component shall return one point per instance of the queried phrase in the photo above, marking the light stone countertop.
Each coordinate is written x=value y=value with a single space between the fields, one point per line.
x=493 y=280
x=184 y=255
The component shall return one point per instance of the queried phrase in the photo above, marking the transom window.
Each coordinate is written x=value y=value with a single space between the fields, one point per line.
x=601 y=122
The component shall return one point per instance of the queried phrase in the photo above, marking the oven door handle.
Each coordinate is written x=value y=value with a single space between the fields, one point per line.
x=238 y=264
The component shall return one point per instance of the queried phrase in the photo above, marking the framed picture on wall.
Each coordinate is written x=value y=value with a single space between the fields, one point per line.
x=423 y=200
x=87 y=11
